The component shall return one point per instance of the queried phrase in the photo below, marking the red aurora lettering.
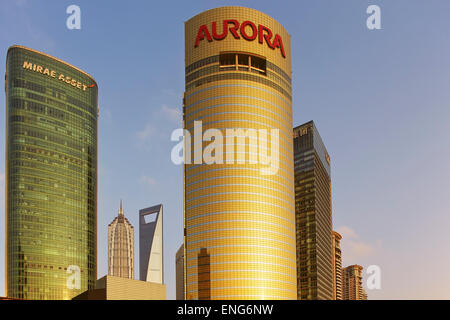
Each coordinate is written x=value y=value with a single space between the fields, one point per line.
x=247 y=30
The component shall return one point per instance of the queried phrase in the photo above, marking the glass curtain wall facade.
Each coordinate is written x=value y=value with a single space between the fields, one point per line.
x=313 y=215
x=51 y=177
x=239 y=223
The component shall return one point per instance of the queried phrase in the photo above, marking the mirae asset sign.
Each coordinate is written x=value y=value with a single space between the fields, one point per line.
x=247 y=30
x=52 y=73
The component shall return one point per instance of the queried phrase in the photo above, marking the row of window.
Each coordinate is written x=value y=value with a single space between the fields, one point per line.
x=215 y=59
x=56 y=151
x=238 y=62
x=88 y=126
x=238 y=76
x=27 y=84
x=45 y=135
x=242 y=59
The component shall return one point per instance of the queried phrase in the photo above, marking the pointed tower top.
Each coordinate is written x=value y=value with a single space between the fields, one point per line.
x=121 y=209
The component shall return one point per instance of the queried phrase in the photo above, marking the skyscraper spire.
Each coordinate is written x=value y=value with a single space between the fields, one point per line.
x=121 y=247
x=121 y=209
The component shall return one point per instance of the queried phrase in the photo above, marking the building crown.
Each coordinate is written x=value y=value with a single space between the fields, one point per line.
x=120 y=209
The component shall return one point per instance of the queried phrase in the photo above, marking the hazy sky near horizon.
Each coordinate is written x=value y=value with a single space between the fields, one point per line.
x=380 y=100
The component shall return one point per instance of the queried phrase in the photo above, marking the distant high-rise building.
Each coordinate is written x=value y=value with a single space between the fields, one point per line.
x=50 y=176
x=151 y=244
x=363 y=294
x=179 y=265
x=337 y=266
x=352 y=283
x=313 y=215
x=121 y=247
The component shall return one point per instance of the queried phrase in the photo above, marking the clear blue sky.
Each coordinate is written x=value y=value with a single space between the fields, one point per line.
x=380 y=100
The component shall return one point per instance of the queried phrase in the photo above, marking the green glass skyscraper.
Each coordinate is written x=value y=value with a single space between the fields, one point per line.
x=51 y=177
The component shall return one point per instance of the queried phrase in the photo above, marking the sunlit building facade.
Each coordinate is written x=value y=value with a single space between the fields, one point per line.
x=313 y=214
x=352 y=287
x=51 y=177
x=239 y=222
x=120 y=288
x=121 y=247
x=337 y=266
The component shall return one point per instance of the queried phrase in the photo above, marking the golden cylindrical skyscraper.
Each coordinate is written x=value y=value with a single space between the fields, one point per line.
x=239 y=222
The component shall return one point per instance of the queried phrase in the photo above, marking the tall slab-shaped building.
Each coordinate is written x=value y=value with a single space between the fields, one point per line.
x=51 y=177
x=313 y=215
x=239 y=222
x=337 y=265
x=151 y=259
